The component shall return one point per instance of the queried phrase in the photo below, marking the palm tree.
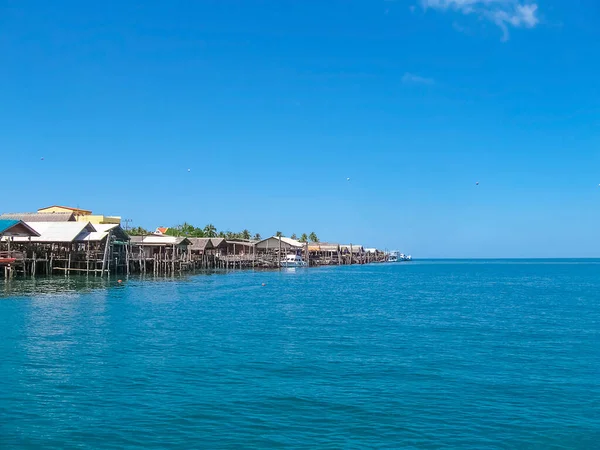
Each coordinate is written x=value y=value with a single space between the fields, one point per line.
x=293 y=236
x=279 y=234
x=304 y=238
x=197 y=232
x=257 y=237
x=186 y=229
x=246 y=235
x=137 y=231
x=210 y=230
x=221 y=234
x=313 y=237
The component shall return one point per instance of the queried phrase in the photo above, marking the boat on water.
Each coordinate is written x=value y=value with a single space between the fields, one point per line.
x=395 y=256
x=293 y=261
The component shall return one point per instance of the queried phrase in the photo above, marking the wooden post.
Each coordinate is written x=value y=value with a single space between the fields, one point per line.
x=280 y=252
x=173 y=261
x=87 y=258
x=307 y=254
x=105 y=258
x=68 y=271
x=140 y=258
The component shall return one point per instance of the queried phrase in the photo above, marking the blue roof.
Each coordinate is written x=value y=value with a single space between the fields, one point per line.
x=6 y=224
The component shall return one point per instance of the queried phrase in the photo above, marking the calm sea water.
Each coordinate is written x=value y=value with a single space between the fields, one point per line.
x=457 y=354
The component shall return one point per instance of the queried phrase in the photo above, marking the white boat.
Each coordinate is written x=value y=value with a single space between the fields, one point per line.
x=293 y=261
x=395 y=257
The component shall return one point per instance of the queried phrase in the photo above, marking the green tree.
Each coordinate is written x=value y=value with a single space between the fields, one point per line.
x=186 y=229
x=197 y=232
x=137 y=231
x=257 y=237
x=210 y=231
x=313 y=237
x=246 y=235
x=173 y=231
x=293 y=236
x=221 y=234
x=279 y=234
x=304 y=238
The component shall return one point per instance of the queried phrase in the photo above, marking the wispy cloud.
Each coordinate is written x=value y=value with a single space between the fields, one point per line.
x=504 y=13
x=411 y=78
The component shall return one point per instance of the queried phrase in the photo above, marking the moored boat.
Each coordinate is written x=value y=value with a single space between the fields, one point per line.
x=394 y=256
x=293 y=261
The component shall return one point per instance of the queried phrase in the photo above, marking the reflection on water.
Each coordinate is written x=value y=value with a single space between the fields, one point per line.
x=75 y=285
x=471 y=355
x=57 y=285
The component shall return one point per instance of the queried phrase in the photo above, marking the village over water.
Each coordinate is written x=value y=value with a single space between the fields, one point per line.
x=66 y=240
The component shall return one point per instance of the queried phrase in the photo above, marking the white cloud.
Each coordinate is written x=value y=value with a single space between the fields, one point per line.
x=411 y=78
x=504 y=13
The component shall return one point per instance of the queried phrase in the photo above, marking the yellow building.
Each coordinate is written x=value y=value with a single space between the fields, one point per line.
x=82 y=215
x=62 y=209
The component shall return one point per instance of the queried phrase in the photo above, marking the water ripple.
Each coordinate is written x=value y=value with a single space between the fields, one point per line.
x=481 y=354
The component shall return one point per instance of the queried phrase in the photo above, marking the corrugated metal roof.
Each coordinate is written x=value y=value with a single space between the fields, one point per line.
x=94 y=236
x=40 y=217
x=5 y=224
x=154 y=239
x=273 y=243
x=17 y=229
x=292 y=242
x=75 y=210
x=57 y=231
x=102 y=231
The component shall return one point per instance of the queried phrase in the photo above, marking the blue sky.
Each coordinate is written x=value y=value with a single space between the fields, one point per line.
x=272 y=105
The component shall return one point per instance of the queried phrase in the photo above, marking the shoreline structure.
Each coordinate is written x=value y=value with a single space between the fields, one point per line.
x=65 y=240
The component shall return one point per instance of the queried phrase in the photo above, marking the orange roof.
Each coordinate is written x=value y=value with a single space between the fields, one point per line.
x=162 y=230
x=75 y=210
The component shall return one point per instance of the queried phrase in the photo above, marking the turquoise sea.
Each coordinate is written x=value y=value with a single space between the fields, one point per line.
x=428 y=354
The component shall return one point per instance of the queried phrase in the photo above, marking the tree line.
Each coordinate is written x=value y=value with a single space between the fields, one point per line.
x=210 y=231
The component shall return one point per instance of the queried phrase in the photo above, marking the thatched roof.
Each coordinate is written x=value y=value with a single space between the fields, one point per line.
x=201 y=244
x=355 y=248
x=218 y=242
x=323 y=247
x=242 y=243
